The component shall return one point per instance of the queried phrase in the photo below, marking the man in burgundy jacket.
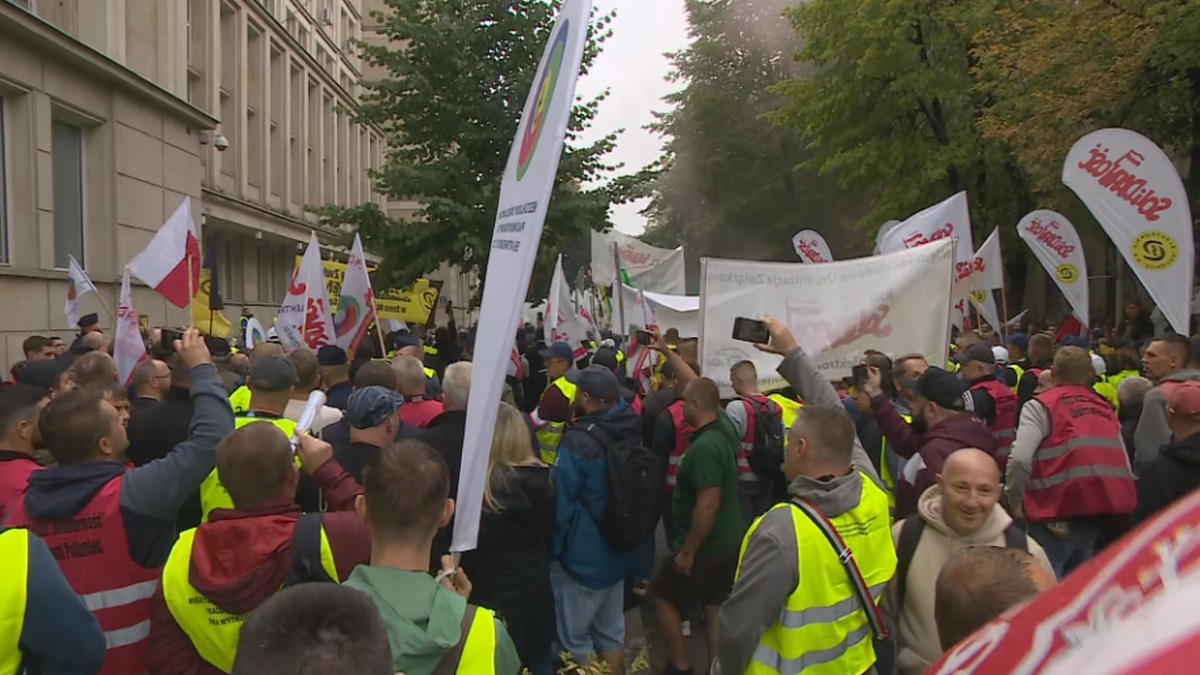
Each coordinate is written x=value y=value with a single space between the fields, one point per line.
x=242 y=556
x=942 y=422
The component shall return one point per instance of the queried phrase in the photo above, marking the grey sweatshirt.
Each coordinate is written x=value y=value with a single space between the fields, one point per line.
x=1152 y=430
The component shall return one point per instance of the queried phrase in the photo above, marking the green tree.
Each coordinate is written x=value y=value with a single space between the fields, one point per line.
x=729 y=182
x=457 y=76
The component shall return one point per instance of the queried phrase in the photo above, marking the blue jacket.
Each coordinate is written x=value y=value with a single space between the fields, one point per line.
x=59 y=636
x=581 y=476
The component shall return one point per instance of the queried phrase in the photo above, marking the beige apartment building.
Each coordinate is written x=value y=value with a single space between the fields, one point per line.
x=114 y=111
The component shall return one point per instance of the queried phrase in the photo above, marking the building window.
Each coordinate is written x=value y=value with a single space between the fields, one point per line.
x=3 y=193
x=66 y=146
x=254 y=109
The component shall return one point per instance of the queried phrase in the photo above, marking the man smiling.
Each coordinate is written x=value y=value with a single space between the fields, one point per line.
x=960 y=511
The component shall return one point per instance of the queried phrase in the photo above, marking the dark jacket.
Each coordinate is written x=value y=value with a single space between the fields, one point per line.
x=959 y=431
x=1028 y=384
x=510 y=568
x=338 y=396
x=308 y=492
x=445 y=435
x=156 y=427
x=150 y=494
x=652 y=408
x=1169 y=477
x=59 y=636
x=240 y=558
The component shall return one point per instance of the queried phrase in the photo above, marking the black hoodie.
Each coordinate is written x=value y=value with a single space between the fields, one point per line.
x=1172 y=475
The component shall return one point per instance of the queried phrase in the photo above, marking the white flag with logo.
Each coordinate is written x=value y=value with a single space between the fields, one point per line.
x=356 y=303
x=78 y=285
x=811 y=247
x=524 y=196
x=128 y=346
x=659 y=269
x=304 y=319
x=1057 y=246
x=1134 y=191
x=562 y=323
x=987 y=275
x=945 y=220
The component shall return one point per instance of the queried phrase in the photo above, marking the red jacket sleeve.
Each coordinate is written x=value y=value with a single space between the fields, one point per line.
x=337 y=487
x=349 y=540
x=169 y=651
x=904 y=441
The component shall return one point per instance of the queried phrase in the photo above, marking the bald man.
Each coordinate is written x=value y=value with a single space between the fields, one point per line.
x=979 y=584
x=220 y=571
x=961 y=511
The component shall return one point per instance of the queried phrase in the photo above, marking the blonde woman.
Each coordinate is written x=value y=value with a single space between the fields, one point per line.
x=510 y=568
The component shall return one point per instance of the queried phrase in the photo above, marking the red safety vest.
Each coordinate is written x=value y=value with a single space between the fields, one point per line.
x=1080 y=469
x=747 y=444
x=1004 y=427
x=636 y=405
x=683 y=435
x=14 y=480
x=93 y=551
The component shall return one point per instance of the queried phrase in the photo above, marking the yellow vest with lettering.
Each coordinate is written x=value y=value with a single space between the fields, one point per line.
x=240 y=399
x=823 y=629
x=213 y=632
x=550 y=435
x=213 y=495
x=790 y=408
x=14 y=588
x=885 y=473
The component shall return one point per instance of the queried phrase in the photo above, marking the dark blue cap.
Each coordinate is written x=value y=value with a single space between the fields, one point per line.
x=332 y=355
x=559 y=350
x=1018 y=340
x=596 y=381
x=1075 y=341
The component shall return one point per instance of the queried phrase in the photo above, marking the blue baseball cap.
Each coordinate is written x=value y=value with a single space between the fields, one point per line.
x=1075 y=341
x=559 y=350
x=597 y=381
x=371 y=406
x=1018 y=340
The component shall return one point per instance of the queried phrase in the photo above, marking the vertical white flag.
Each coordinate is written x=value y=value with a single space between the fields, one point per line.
x=987 y=275
x=524 y=197
x=304 y=319
x=78 y=285
x=945 y=220
x=1056 y=245
x=128 y=347
x=356 y=303
x=1132 y=188
x=811 y=247
x=562 y=322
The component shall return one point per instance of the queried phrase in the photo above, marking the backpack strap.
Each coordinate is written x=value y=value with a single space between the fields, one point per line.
x=605 y=439
x=451 y=659
x=306 y=552
x=1014 y=537
x=910 y=537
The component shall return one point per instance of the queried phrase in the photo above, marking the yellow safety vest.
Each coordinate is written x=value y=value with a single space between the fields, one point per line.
x=1020 y=372
x=886 y=474
x=1109 y=392
x=240 y=399
x=790 y=408
x=479 y=652
x=213 y=631
x=823 y=629
x=14 y=551
x=213 y=495
x=1115 y=380
x=550 y=435
x=430 y=351
x=430 y=373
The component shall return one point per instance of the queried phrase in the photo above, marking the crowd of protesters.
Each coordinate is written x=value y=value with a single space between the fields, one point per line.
x=176 y=523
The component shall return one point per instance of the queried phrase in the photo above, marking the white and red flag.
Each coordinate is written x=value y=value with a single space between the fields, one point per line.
x=356 y=304
x=128 y=346
x=171 y=263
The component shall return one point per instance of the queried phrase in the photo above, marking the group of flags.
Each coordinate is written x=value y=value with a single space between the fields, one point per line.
x=171 y=264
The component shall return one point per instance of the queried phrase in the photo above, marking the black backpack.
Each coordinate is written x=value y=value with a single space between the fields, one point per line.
x=767 y=456
x=635 y=480
x=910 y=536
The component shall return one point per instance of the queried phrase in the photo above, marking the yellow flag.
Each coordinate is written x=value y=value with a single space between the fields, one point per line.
x=209 y=322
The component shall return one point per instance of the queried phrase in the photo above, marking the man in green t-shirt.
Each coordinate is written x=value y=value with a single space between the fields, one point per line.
x=708 y=522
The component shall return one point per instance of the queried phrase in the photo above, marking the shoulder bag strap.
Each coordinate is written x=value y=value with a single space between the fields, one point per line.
x=846 y=556
x=910 y=537
x=306 y=552
x=1014 y=537
x=450 y=660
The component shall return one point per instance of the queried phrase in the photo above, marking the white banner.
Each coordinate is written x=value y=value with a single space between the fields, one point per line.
x=681 y=312
x=562 y=323
x=304 y=319
x=987 y=276
x=78 y=285
x=811 y=247
x=1133 y=190
x=883 y=232
x=128 y=346
x=660 y=270
x=524 y=196
x=950 y=219
x=1056 y=245
x=897 y=303
x=356 y=303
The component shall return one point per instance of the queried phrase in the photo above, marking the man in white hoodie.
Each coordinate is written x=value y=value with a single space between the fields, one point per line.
x=962 y=510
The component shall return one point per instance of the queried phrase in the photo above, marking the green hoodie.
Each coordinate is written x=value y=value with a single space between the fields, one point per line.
x=423 y=619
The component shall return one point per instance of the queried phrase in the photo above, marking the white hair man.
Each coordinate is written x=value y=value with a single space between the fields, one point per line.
x=445 y=434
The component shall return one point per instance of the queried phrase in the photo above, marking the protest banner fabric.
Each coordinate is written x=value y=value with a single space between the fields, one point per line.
x=78 y=285
x=128 y=346
x=1057 y=246
x=562 y=324
x=524 y=197
x=356 y=304
x=883 y=232
x=304 y=318
x=898 y=304
x=1134 y=191
x=811 y=247
x=413 y=305
x=987 y=276
x=660 y=270
x=950 y=219
x=681 y=312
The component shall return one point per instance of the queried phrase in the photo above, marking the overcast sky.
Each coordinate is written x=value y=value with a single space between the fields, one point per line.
x=633 y=66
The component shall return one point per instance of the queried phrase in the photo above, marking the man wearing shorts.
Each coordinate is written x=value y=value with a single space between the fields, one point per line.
x=708 y=522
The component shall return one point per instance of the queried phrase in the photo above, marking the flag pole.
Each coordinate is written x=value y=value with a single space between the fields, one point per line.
x=103 y=306
x=620 y=296
x=378 y=327
x=191 y=292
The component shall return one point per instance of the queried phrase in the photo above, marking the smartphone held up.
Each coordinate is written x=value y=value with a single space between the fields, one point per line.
x=751 y=330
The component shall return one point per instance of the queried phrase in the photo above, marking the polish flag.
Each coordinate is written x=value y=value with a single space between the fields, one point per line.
x=165 y=263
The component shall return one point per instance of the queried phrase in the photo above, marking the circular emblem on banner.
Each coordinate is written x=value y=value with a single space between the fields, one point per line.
x=1067 y=273
x=547 y=83
x=1155 y=250
x=979 y=297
